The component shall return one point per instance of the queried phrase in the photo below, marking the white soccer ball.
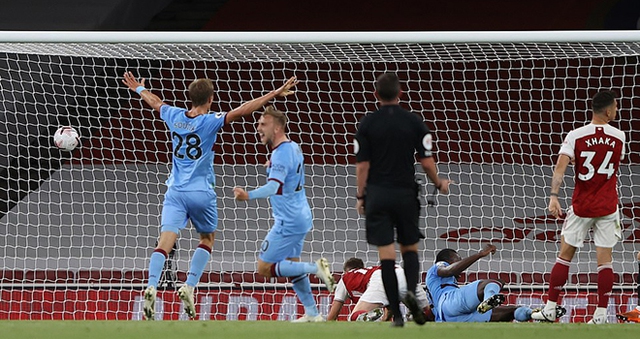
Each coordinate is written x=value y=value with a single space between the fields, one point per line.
x=66 y=138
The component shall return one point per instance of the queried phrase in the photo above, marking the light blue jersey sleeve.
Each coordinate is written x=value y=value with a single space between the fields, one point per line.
x=214 y=121
x=169 y=113
x=280 y=166
x=265 y=191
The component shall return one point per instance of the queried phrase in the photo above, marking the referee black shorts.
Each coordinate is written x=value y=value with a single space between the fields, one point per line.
x=390 y=210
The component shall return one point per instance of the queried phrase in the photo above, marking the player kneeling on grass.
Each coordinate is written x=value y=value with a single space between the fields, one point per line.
x=280 y=251
x=479 y=301
x=364 y=286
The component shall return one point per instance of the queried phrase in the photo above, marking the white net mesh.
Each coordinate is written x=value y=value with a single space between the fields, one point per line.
x=76 y=229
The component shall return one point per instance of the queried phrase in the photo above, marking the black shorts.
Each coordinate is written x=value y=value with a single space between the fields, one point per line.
x=391 y=210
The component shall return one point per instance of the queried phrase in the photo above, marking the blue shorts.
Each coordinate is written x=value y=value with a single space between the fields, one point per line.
x=460 y=305
x=277 y=247
x=200 y=207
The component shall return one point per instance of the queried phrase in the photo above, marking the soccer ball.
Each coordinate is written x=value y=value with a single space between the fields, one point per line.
x=66 y=138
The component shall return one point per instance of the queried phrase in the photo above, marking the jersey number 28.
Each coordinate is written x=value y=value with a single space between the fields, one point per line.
x=193 y=151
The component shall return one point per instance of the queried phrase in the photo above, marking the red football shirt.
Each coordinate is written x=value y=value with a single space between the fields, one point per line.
x=354 y=283
x=597 y=151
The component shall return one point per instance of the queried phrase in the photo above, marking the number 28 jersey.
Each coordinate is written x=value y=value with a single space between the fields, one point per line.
x=597 y=151
x=192 y=142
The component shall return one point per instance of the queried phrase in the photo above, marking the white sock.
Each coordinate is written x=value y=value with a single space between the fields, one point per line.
x=551 y=305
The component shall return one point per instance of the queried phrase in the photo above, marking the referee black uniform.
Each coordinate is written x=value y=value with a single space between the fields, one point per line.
x=389 y=139
x=386 y=145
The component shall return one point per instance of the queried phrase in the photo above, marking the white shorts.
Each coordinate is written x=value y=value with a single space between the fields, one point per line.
x=375 y=293
x=606 y=230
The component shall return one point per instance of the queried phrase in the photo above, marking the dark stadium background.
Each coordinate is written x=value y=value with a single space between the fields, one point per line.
x=326 y=15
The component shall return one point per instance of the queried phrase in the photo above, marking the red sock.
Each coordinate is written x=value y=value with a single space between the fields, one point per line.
x=354 y=315
x=605 y=284
x=559 y=276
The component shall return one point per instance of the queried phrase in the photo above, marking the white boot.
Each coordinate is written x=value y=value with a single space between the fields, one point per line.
x=599 y=316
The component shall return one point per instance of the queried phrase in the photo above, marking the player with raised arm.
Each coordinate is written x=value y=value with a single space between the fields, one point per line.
x=190 y=187
x=596 y=149
x=363 y=285
x=281 y=249
x=633 y=315
x=479 y=301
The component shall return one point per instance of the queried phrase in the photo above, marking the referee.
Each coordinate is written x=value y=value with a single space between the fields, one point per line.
x=386 y=145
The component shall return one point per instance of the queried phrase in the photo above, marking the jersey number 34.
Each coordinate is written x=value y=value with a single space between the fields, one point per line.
x=606 y=167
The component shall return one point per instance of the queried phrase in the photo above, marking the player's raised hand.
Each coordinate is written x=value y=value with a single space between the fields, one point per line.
x=130 y=80
x=488 y=249
x=554 y=207
x=240 y=194
x=285 y=89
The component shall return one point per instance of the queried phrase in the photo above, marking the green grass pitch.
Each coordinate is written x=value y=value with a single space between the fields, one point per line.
x=71 y=329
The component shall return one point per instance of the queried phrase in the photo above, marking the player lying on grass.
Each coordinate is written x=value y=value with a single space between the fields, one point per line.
x=363 y=285
x=479 y=301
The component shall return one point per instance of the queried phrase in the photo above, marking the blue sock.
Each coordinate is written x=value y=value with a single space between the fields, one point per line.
x=287 y=268
x=199 y=260
x=491 y=289
x=156 y=264
x=522 y=313
x=302 y=286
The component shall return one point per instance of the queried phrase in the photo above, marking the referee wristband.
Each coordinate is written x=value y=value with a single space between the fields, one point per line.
x=553 y=194
x=361 y=197
x=139 y=89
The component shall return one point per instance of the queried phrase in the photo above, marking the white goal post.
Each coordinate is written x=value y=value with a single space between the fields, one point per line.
x=76 y=229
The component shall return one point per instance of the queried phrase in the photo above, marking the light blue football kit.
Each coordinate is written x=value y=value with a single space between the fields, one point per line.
x=291 y=211
x=292 y=220
x=192 y=140
x=190 y=188
x=453 y=303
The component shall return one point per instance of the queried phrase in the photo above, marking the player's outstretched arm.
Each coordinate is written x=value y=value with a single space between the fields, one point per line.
x=558 y=175
x=265 y=191
x=255 y=104
x=138 y=86
x=458 y=267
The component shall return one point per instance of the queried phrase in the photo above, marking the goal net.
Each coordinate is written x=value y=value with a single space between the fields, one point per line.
x=77 y=229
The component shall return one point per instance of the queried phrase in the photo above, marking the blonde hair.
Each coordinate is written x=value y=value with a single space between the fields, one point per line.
x=279 y=117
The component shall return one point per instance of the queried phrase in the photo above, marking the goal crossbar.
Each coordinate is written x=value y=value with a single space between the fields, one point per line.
x=318 y=37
